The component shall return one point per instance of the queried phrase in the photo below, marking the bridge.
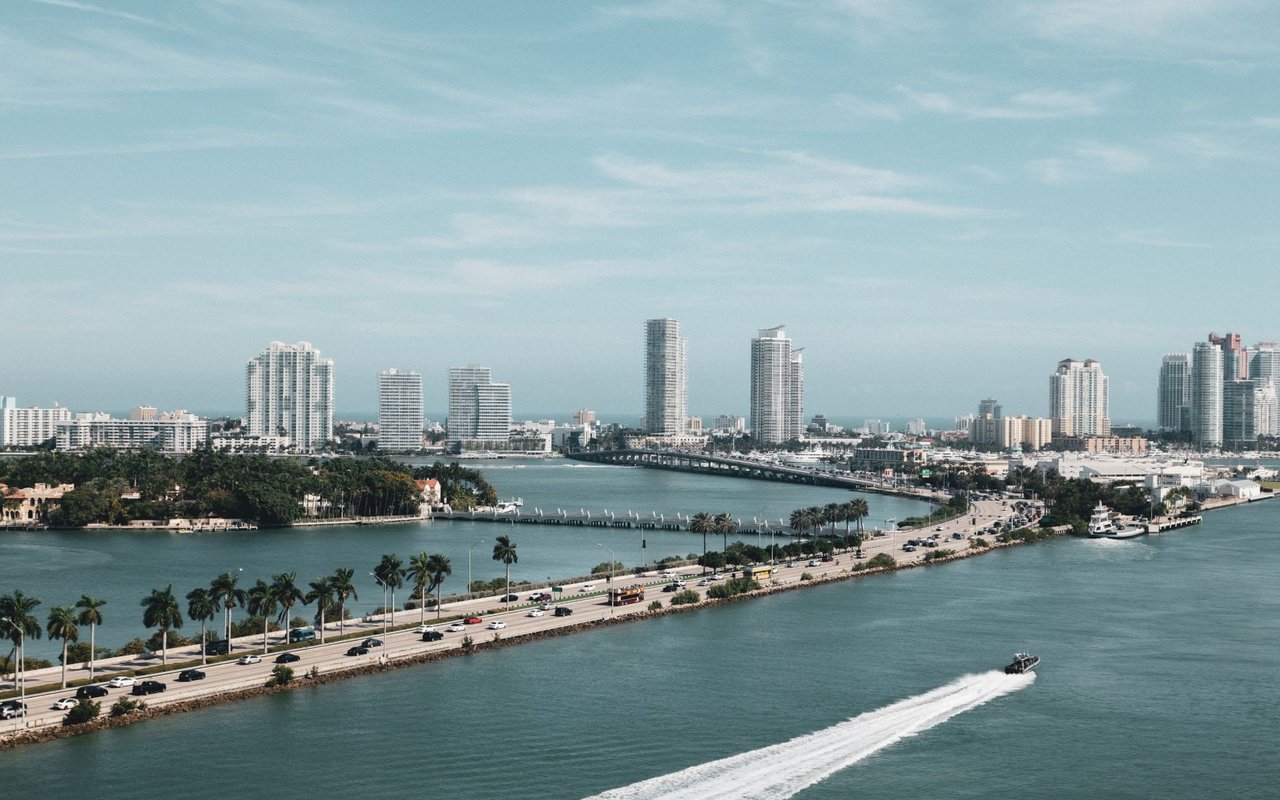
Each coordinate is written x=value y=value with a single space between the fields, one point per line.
x=604 y=519
x=738 y=467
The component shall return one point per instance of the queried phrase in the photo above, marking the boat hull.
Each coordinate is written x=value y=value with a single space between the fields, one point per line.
x=1123 y=533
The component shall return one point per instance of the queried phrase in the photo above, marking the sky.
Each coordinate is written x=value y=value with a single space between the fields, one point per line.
x=939 y=200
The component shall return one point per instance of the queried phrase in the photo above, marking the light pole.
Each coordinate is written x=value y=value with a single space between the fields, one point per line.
x=469 y=549
x=384 y=607
x=612 y=560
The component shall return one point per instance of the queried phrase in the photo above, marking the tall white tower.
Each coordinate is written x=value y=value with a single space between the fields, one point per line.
x=666 y=410
x=1173 y=401
x=1078 y=402
x=1206 y=394
x=777 y=387
x=399 y=410
x=289 y=392
x=479 y=409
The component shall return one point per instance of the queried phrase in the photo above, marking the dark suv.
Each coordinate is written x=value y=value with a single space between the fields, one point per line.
x=432 y=636
x=563 y=611
x=218 y=647
x=87 y=692
x=148 y=687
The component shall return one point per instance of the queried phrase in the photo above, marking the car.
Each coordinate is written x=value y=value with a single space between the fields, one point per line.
x=371 y=642
x=587 y=587
x=66 y=703
x=670 y=587
x=537 y=612
x=717 y=577
x=11 y=708
x=563 y=611
x=424 y=629
x=121 y=682
x=455 y=627
x=510 y=598
x=89 y=692
x=497 y=625
x=539 y=597
x=473 y=620
x=666 y=573
x=432 y=636
x=188 y=675
x=288 y=658
x=249 y=659
x=218 y=647
x=358 y=650
x=149 y=687
x=813 y=562
x=704 y=582
x=547 y=606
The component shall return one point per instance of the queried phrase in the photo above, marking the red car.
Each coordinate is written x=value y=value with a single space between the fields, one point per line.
x=473 y=620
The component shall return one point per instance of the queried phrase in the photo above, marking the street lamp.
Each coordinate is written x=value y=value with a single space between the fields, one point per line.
x=612 y=560
x=469 y=549
x=384 y=607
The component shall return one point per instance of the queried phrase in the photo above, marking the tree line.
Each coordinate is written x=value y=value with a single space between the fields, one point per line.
x=207 y=483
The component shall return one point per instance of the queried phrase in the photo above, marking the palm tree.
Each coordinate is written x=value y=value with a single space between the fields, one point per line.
x=420 y=571
x=440 y=569
x=724 y=525
x=286 y=592
x=262 y=601
x=343 y=588
x=833 y=513
x=160 y=609
x=321 y=593
x=702 y=523
x=90 y=615
x=799 y=521
x=505 y=551
x=201 y=608
x=390 y=573
x=62 y=625
x=18 y=624
x=224 y=592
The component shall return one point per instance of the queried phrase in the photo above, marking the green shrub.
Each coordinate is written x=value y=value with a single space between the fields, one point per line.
x=685 y=597
x=126 y=705
x=978 y=543
x=882 y=561
x=134 y=647
x=656 y=605
x=82 y=712
x=806 y=576
x=468 y=644
x=939 y=554
x=280 y=676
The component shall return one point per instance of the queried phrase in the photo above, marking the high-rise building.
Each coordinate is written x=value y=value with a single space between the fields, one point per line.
x=1235 y=363
x=1264 y=367
x=399 y=410
x=777 y=387
x=665 y=390
x=1078 y=403
x=1206 y=395
x=990 y=406
x=144 y=414
x=289 y=392
x=1239 y=420
x=171 y=432
x=29 y=427
x=1174 y=400
x=479 y=409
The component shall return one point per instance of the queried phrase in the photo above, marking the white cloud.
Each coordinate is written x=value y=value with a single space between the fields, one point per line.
x=1035 y=104
x=1109 y=19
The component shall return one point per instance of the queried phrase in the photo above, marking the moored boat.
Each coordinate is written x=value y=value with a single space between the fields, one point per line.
x=1103 y=525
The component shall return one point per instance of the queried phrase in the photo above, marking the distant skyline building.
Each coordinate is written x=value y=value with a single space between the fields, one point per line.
x=289 y=392
x=29 y=427
x=171 y=432
x=399 y=410
x=1264 y=367
x=1078 y=399
x=1173 y=405
x=777 y=387
x=479 y=409
x=1239 y=419
x=1206 y=394
x=144 y=413
x=1235 y=364
x=666 y=403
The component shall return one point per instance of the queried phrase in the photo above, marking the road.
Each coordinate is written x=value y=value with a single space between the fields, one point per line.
x=588 y=600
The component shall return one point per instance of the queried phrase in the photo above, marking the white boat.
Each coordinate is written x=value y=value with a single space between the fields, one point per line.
x=1102 y=525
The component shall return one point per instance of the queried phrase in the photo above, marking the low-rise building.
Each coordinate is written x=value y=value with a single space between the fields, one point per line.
x=29 y=427
x=173 y=432
x=31 y=505
x=875 y=459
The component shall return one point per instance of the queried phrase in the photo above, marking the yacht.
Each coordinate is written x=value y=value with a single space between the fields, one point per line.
x=1022 y=662
x=1102 y=525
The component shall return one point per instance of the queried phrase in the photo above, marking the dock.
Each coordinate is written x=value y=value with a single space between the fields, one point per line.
x=1171 y=524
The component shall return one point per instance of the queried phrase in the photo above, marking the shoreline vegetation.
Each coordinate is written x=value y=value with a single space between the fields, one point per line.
x=878 y=565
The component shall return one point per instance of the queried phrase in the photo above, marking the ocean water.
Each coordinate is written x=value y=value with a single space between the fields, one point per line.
x=1157 y=680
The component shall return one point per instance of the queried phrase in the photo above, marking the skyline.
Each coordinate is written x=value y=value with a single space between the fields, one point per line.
x=941 y=204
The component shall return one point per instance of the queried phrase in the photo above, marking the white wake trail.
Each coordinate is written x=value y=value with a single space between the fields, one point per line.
x=781 y=770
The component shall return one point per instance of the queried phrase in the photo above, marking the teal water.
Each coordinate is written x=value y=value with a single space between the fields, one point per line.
x=1157 y=681
x=122 y=567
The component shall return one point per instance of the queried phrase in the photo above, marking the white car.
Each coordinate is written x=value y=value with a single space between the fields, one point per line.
x=537 y=612
x=250 y=659
x=425 y=629
x=121 y=682
x=547 y=607
x=497 y=625
x=666 y=573
x=66 y=703
x=456 y=627
x=717 y=577
x=587 y=587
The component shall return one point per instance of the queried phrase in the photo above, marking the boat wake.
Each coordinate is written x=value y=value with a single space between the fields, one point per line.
x=781 y=770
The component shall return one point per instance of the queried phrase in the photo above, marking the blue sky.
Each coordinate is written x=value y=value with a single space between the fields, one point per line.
x=940 y=200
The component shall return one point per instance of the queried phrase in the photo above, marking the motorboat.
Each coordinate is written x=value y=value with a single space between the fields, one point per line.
x=1022 y=663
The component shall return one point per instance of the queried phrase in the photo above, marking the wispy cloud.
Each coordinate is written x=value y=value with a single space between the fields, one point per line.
x=1034 y=104
x=95 y=9
x=1089 y=159
x=1109 y=19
